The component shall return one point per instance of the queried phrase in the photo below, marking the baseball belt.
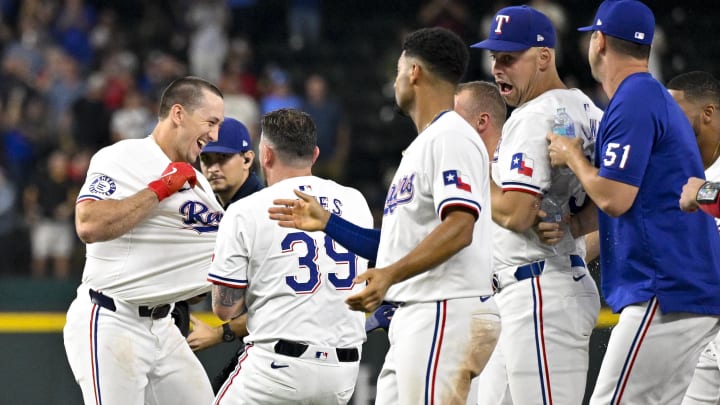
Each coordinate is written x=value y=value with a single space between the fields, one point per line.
x=503 y=278
x=156 y=312
x=296 y=349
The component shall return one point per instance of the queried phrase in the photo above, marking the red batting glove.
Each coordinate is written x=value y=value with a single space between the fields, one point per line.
x=176 y=174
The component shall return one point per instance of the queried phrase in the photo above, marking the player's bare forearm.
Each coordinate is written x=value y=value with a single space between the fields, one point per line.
x=585 y=221
x=513 y=210
x=453 y=234
x=204 y=336
x=228 y=302
x=103 y=220
x=305 y=213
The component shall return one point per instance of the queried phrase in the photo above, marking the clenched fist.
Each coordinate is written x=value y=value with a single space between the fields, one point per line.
x=176 y=174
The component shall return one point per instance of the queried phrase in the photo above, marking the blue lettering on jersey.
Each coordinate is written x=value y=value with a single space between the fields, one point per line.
x=336 y=205
x=102 y=185
x=199 y=217
x=400 y=193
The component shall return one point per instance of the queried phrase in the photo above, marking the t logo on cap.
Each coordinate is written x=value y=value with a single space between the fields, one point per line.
x=518 y=28
x=501 y=19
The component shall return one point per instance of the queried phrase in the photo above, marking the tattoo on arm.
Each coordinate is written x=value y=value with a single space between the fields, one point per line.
x=226 y=296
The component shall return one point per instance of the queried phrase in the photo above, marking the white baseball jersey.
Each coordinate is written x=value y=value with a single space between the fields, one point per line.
x=712 y=173
x=296 y=281
x=166 y=257
x=523 y=164
x=445 y=166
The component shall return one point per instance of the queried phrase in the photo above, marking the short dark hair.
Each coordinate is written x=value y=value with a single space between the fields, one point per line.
x=291 y=133
x=445 y=54
x=623 y=47
x=698 y=86
x=186 y=91
x=486 y=97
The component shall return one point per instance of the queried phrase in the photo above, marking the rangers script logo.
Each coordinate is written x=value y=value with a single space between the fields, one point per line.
x=198 y=217
x=400 y=193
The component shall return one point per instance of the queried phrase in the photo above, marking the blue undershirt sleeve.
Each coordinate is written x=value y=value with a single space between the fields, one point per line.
x=361 y=241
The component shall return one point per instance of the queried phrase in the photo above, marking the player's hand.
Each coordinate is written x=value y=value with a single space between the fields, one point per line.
x=203 y=335
x=549 y=233
x=561 y=149
x=305 y=214
x=370 y=298
x=380 y=319
x=175 y=175
x=688 y=197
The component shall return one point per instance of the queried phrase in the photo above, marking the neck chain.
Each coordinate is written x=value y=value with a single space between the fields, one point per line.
x=435 y=118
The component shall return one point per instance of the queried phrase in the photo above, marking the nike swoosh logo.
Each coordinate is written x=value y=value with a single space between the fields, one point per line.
x=276 y=365
x=173 y=171
x=485 y=298
x=578 y=278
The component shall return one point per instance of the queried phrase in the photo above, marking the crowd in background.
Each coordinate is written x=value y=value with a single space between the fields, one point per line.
x=77 y=75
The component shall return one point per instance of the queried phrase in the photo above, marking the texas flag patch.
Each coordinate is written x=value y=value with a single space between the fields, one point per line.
x=455 y=177
x=523 y=164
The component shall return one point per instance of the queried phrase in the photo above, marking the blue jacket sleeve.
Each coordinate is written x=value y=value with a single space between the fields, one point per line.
x=361 y=241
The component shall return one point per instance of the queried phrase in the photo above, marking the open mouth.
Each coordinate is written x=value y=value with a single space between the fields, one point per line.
x=505 y=88
x=201 y=143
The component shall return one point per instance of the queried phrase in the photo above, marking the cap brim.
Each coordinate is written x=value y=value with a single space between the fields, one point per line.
x=500 y=45
x=219 y=149
x=588 y=28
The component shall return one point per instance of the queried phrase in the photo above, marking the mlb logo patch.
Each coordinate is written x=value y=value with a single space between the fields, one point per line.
x=321 y=355
x=455 y=177
x=522 y=163
x=305 y=189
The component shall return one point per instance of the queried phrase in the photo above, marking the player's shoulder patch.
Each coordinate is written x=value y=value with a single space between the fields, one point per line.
x=102 y=185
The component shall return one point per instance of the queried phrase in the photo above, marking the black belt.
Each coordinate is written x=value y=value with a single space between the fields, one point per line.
x=156 y=312
x=296 y=349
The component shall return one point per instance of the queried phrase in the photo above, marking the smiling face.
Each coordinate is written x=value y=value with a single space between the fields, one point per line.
x=515 y=74
x=198 y=127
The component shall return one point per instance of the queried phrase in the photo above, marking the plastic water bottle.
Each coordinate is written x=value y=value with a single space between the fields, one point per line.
x=563 y=124
x=552 y=208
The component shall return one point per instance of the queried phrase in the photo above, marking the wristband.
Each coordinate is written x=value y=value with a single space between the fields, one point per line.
x=160 y=188
x=707 y=198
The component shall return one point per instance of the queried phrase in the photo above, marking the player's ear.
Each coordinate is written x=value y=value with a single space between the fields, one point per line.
x=316 y=153
x=482 y=122
x=544 y=58
x=708 y=112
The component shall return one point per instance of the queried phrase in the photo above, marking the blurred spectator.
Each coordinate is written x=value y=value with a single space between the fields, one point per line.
x=240 y=105
x=73 y=25
x=451 y=14
x=11 y=235
x=134 y=120
x=49 y=203
x=304 y=23
x=90 y=117
x=333 y=133
x=208 y=45
x=240 y=63
x=160 y=70
x=280 y=93
x=62 y=85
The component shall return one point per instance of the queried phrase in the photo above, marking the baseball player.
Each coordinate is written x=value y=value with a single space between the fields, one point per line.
x=303 y=344
x=433 y=257
x=660 y=267
x=698 y=95
x=149 y=220
x=548 y=303
x=227 y=166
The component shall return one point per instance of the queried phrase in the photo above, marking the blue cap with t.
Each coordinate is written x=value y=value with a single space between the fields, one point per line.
x=518 y=28
x=233 y=137
x=630 y=20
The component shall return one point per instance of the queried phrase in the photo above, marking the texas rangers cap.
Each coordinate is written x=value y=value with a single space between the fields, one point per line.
x=630 y=20
x=232 y=138
x=518 y=28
